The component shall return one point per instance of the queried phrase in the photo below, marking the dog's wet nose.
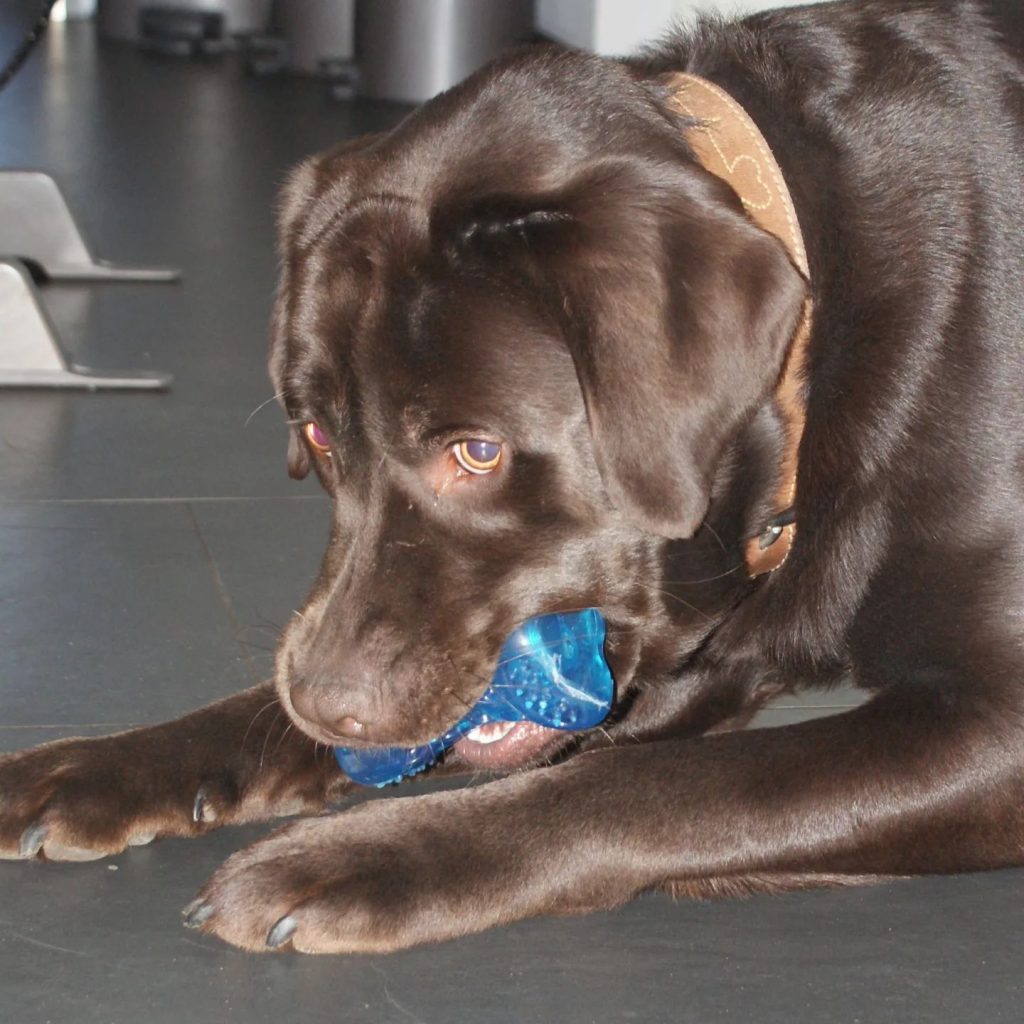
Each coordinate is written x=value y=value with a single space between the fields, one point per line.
x=350 y=727
x=331 y=709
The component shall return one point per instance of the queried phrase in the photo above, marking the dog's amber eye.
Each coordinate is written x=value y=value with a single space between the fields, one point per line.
x=476 y=456
x=317 y=439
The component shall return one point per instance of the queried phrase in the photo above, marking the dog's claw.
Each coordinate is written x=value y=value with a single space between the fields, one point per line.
x=282 y=932
x=32 y=840
x=189 y=907
x=197 y=913
x=203 y=812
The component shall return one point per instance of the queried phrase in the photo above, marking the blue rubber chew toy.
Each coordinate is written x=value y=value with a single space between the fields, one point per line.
x=551 y=671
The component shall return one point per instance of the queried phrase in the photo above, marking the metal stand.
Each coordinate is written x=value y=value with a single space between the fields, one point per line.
x=31 y=355
x=37 y=226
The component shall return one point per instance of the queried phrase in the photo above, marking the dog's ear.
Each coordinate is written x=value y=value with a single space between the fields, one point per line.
x=297 y=194
x=298 y=455
x=679 y=312
x=310 y=197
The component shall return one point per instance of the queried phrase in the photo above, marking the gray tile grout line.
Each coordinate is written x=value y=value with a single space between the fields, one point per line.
x=135 y=725
x=810 y=707
x=222 y=590
x=219 y=580
x=209 y=499
x=71 y=725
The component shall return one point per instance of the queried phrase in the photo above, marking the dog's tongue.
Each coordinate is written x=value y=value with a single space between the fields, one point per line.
x=503 y=744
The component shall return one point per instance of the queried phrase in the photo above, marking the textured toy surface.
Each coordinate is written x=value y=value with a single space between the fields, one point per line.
x=551 y=671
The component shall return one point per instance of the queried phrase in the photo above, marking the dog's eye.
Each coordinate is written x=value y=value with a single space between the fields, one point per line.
x=476 y=456
x=319 y=441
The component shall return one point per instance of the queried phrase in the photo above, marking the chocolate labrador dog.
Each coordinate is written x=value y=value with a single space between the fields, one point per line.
x=535 y=350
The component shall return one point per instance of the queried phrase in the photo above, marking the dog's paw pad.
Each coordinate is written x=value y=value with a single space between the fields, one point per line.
x=60 y=851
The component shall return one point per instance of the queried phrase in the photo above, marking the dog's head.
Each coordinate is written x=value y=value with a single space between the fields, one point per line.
x=521 y=339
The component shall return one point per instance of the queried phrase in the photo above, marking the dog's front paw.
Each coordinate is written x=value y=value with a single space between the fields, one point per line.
x=394 y=873
x=372 y=879
x=234 y=761
x=82 y=800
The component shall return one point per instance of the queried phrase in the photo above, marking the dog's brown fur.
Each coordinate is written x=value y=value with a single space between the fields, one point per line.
x=536 y=258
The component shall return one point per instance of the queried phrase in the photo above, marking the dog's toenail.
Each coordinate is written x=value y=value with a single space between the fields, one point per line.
x=197 y=913
x=32 y=840
x=202 y=810
x=282 y=931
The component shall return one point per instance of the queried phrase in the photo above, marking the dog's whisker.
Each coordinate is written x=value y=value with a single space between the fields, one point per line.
x=449 y=690
x=386 y=452
x=270 y=703
x=266 y=739
x=562 y=610
x=707 y=579
x=676 y=597
x=714 y=533
x=288 y=729
x=273 y=398
x=257 y=647
x=546 y=645
x=257 y=626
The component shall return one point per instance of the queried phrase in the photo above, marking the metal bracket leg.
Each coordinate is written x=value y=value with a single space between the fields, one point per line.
x=30 y=351
x=37 y=225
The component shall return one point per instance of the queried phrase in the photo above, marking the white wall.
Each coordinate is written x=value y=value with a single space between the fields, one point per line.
x=620 y=26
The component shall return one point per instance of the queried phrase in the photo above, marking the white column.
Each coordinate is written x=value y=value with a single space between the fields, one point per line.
x=619 y=26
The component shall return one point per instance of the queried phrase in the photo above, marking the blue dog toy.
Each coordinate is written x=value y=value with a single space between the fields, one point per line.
x=551 y=671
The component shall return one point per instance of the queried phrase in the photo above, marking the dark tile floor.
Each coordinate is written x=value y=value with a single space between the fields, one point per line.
x=152 y=544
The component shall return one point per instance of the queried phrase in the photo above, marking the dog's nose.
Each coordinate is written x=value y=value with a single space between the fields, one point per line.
x=350 y=727
x=332 y=709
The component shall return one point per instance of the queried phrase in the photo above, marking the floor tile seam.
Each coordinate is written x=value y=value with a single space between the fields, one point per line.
x=222 y=591
x=131 y=725
x=808 y=707
x=69 y=725
x=193 y=500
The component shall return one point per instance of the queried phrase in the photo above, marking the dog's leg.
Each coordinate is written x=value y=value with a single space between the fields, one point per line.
x=922 y=779
x=233 y=761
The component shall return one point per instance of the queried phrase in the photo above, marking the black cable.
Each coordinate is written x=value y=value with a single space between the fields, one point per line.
x=34 y=34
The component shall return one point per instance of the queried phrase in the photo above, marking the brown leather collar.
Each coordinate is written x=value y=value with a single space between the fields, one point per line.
x=730 y=146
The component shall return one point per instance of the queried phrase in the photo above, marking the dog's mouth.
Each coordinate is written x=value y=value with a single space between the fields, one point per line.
x=505 y=745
